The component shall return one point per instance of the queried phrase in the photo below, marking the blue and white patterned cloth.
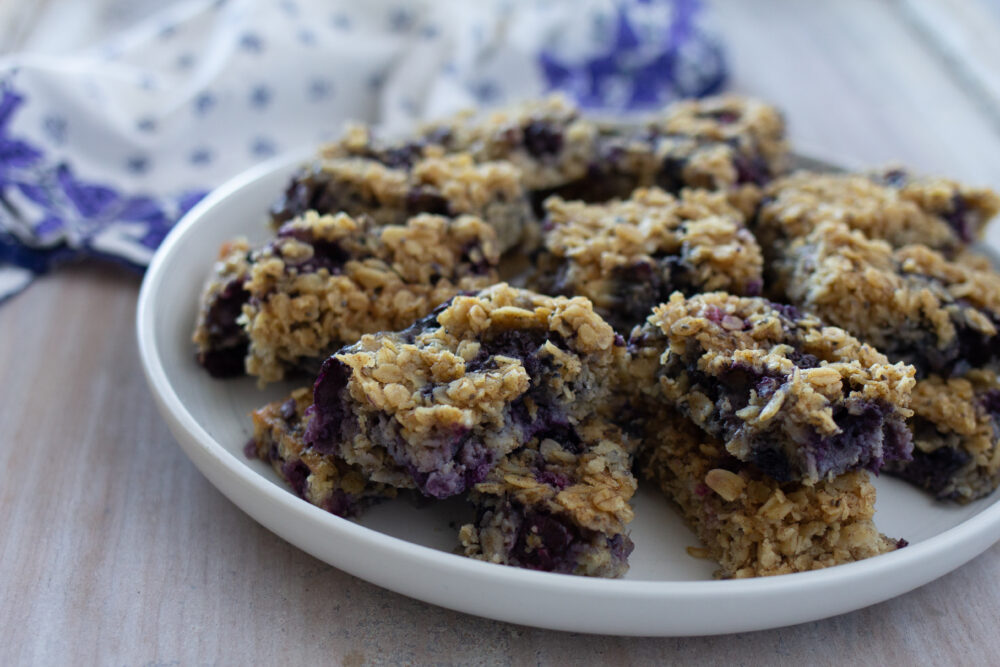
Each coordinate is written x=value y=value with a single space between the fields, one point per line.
x=100 y=153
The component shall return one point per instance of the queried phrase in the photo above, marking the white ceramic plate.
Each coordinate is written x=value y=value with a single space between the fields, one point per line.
x=408 y=549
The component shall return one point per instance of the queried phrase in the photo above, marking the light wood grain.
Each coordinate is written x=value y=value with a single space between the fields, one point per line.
x=114 y=549
x=964 y=35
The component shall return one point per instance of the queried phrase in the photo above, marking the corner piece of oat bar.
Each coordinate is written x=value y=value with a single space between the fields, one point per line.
x=750 y=524
x=956 y=437
x=546 y=140
x=436 y=406
x=557 y=505
x=729 y=143
x=797 y=399
x=323 y=480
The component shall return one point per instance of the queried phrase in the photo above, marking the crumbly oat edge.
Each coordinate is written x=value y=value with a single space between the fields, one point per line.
x=751 y=525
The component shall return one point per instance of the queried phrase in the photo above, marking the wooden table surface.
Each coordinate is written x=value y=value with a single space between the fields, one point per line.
x=114 y=549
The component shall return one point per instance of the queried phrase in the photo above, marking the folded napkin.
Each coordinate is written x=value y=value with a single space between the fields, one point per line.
x=101 y=152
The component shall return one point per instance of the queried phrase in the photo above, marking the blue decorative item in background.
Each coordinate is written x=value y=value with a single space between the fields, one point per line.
x=102 y=152
x=643 y=65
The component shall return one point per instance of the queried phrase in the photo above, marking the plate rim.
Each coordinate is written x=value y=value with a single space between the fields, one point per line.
x=224 y=470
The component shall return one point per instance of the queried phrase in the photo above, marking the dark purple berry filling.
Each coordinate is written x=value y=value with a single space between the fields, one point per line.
x=933 y=471
x=751 y=170
x=296 y=473
x=342 y=504
x=546 y=542
x=962 y=219
x=425 y=200
x=918 y=345
x=870 y=432
x=250 y=449
x=541 y=139
x=723 y=116
x=227 y=342
x=990 y=402
x=451 y=460
x=329 y=255
x=332 y=420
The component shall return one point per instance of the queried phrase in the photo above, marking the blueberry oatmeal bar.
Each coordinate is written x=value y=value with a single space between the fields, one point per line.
x=557 y=505
x=326 y=280
x=321 y=479
x=449 y=185
x=956 y=437
x=750 y=524
x=729 y=143
x=546 y=140
x=888 y=205
x=795 y=398
x=628 y=256
x=436 y=406
x=912 y=303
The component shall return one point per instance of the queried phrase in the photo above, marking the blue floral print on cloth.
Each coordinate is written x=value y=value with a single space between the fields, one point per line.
x=102 y=152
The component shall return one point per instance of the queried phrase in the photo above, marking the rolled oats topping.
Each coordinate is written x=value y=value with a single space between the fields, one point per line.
x=798 y=399
x=886 y=205
x=628 y=256
x=436 y=406
x=913 y=303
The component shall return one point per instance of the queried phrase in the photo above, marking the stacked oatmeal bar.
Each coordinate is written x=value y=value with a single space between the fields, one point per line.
x=887 y=257
x=753 y=342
